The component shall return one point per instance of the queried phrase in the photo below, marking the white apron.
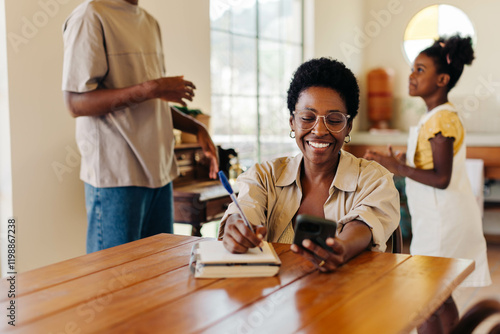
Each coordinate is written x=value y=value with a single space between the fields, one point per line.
x=447 y=222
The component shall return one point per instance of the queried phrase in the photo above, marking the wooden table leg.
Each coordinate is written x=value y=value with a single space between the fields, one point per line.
x=196 y=230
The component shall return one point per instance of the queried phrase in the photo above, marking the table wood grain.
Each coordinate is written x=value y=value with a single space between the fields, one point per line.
x=146 y=287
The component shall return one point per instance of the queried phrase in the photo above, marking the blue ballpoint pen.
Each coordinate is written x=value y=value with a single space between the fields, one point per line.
x=225 y=183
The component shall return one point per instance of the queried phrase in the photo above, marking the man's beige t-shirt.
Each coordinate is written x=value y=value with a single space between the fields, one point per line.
x=113 y=44
x=270 y=194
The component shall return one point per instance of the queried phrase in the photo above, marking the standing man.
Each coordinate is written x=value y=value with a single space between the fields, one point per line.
x=115 y=86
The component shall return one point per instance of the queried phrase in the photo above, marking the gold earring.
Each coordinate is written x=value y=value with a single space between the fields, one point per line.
x=349 y=140
x=291 y=131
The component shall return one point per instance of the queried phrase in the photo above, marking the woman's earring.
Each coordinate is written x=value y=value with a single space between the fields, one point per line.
x=291 y=131
x=348 y=140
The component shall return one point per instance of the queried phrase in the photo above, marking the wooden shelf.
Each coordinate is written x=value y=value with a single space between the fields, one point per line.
x=489 y=154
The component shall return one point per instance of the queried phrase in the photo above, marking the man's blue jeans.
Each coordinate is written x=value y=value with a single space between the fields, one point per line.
x=123 y=214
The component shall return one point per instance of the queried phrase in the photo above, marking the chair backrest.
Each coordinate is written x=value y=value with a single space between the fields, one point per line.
x=396 y=241
x=476 y=315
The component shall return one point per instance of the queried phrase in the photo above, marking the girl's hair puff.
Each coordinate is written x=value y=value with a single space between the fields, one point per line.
x=450 y=55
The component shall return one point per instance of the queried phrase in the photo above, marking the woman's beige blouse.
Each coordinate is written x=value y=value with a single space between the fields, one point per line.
x=270 y=195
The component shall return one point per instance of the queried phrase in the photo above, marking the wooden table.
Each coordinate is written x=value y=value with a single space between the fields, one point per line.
x=146 y=287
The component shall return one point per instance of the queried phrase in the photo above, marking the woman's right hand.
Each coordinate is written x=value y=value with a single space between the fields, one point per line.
x=325 y=260
x=237 y=236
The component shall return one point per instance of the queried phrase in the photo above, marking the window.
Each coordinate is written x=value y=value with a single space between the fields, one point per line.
x=431 y=23
x=255 y=47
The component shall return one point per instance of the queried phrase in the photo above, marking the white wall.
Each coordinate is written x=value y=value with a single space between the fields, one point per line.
x=49 y=212
x=185 y=28
x=5 y=163
x=49 y=206
x=335 y=24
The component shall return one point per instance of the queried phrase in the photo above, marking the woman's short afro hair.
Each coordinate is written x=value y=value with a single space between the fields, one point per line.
x=329 y=73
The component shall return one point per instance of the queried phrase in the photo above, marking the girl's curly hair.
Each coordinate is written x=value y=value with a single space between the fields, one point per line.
x=450 y=55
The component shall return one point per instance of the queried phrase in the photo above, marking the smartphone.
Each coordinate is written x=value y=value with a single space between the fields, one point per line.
x=315 y=229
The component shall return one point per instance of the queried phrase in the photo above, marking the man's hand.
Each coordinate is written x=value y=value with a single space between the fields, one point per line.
x=189 y=124
x=104 y=101
x=173 y=89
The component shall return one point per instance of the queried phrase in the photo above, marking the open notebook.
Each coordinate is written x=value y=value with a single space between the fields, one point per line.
x=209 y=259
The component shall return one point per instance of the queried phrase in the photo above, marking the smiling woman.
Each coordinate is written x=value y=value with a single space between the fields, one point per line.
x=322 y=180
x=315 y=138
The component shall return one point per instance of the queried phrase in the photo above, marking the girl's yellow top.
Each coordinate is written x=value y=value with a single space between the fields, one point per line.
x=448 y=123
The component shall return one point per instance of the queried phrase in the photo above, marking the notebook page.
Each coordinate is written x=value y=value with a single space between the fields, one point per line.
x=213 y=251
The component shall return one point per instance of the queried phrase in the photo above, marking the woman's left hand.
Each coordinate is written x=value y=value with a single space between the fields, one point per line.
x=325 y=260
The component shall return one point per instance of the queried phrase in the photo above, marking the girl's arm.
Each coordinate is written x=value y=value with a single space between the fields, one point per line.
x=438 y=177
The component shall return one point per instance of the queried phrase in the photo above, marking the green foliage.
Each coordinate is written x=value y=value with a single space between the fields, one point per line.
x=190 y=112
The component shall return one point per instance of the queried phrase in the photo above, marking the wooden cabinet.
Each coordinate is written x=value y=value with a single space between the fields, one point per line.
x=192 y=163
x=489 y=154
x=491 y=157
x=197 y=198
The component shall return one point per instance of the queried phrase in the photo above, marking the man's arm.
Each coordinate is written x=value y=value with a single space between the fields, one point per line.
x=188 y=124
x=103 y=101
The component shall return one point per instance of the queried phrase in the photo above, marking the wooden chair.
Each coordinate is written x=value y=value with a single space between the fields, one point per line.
x=396 y=241
x=476 y=315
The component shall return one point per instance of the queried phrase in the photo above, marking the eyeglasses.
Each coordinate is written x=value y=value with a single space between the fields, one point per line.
x=334 y=121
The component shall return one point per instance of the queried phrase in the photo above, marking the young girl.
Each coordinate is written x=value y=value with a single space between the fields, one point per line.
x=445 y=218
